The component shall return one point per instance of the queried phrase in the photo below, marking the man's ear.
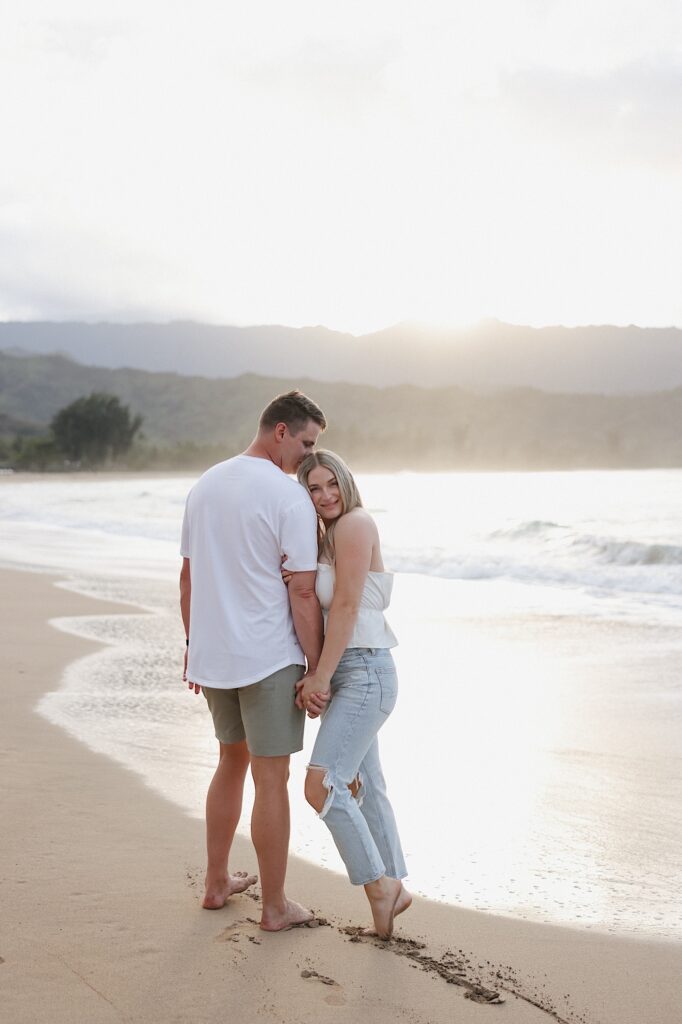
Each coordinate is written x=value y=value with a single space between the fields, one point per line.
x=280 y=431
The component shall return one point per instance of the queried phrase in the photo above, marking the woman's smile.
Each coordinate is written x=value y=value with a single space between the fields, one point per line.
x=330 y=507
x=324 y=490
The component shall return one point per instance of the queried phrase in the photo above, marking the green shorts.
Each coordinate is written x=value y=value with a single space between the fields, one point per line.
x=263 y=713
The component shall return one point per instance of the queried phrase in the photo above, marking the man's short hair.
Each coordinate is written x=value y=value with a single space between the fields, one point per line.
x=295 y=409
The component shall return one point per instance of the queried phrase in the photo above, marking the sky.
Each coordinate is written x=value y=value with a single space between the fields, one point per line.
x=352 y=165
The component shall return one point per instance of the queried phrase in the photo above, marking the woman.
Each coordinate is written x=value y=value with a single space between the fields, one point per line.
x=344 y=782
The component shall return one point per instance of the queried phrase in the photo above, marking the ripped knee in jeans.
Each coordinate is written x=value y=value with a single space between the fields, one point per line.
x=320 y=792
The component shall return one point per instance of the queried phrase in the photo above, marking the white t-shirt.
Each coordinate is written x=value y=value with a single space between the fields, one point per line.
x=240 y=518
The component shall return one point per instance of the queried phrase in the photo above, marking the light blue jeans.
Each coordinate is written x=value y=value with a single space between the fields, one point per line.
x=364 y=691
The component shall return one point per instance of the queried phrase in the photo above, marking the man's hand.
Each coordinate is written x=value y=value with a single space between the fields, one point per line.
x=197 y=688
x=313 y=694
x=185 y=601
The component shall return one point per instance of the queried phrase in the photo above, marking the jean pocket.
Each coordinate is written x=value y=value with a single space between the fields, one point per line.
x=350 y=680
x=388 y=683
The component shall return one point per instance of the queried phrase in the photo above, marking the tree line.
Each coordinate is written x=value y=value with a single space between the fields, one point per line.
x=94 y=431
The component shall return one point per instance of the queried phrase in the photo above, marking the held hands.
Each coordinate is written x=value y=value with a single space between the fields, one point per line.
x=313 y=694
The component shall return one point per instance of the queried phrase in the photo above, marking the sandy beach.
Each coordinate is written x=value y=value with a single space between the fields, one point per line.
x=102 y=921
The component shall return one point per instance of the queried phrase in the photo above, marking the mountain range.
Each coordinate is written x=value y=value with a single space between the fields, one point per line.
x=487 y=357
x=402 y=427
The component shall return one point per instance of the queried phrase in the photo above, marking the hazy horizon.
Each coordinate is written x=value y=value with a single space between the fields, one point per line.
x=124 y=320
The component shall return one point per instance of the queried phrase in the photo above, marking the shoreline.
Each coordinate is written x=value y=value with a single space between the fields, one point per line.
x=31 y=476
x=139 y=645
x=117 y=931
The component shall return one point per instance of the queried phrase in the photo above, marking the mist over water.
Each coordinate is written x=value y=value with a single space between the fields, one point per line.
x=534 y=757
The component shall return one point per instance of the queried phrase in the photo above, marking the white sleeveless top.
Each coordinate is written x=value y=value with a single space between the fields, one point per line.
x=371 y=628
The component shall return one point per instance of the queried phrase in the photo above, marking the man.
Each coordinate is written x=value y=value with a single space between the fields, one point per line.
x=246 y=639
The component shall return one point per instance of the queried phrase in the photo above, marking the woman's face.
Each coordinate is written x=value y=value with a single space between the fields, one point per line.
x=324 y=490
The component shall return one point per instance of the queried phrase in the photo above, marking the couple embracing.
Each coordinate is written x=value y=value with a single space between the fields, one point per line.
x=282 y=593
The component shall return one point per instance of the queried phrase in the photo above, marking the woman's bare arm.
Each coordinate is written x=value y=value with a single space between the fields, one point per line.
x=354 y=539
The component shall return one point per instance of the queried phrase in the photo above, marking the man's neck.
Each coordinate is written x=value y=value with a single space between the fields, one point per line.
x=258 y=450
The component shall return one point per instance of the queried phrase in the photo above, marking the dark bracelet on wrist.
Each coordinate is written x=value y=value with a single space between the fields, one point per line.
x=186 y=641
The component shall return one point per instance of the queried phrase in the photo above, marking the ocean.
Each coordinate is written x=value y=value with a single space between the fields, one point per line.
x=535 y=756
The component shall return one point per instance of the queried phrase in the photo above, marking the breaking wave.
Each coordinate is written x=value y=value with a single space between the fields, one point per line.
x=548 y=553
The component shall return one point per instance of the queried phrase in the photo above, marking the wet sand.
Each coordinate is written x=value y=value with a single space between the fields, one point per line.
x=101 y=903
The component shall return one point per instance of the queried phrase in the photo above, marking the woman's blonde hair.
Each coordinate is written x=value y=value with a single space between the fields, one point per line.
x=348 y=492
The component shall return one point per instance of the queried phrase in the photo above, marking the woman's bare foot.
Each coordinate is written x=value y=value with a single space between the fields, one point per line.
x=217 y=895
x=403 y=902
x=287 y=916
x=391 y=899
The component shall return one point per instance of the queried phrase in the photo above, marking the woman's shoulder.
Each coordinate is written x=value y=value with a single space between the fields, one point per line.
x=356 y=515
x=356 y=523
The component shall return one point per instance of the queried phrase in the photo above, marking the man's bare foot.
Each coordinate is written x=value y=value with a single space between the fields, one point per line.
x=218 y=894
x=279 y=920
x=386 y=906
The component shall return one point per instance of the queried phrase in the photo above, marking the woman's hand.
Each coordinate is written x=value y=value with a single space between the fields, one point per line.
x=313 y=694
x=286 y=573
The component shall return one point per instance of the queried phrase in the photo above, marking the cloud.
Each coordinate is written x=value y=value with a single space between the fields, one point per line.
x=333 y=77
x=633 y=113
x=354 y=164
x=58 y=271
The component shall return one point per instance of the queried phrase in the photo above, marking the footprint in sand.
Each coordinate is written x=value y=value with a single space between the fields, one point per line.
x=235 y=931
x=250 y=928
x=450 y=968
x=334 y=998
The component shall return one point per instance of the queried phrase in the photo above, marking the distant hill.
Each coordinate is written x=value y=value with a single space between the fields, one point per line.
x=394 y=428
x=488 y=357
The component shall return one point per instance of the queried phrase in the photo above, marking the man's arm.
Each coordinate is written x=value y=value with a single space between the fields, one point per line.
x=185 y=593
x=185 y=599
x=307 y=615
